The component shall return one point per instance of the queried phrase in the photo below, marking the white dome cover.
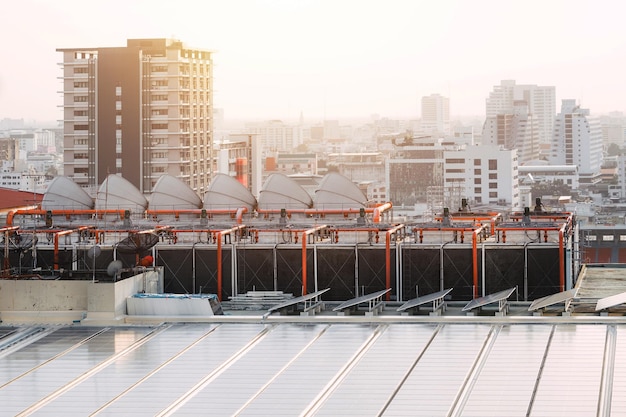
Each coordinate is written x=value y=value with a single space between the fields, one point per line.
x=170 y=193
x=117 y=193
x=338 y=192
x=64 y=194
x=226 y=193
x=280 y=191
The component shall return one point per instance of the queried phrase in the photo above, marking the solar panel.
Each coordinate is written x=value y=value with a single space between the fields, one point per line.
x=296 y=300
x=488 y=299
x=362 y=299
x=611 y=301
x=434 y=297
x=557 y=298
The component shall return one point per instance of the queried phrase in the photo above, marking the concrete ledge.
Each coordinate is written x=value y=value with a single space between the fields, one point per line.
x=47 y=317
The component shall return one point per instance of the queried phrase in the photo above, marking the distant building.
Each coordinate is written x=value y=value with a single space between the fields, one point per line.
x=484 y=175
x=292 y=163
x=515 y=130
x=240 y=157
x=541 y=104
x=435 y=114
x=613 y=129
x=413 y=167
x=618 y=192
x=9 y=149
x=437 y=174
x=359 y=166
x=275 y=135
x=567 y=174
x=139 y=111
x=577 y=141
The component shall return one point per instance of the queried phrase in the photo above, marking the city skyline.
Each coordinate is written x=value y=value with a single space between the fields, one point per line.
x=278 y=59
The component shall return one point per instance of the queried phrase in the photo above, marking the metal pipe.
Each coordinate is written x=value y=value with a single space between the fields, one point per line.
x=56 y=242
x=304 y=235
x=11 y=215
x=388 y=258
x=219 y=256
x=6 y=264
x=475 y=259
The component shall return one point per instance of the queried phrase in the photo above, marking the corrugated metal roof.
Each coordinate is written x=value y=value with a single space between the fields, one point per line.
x=551 y=367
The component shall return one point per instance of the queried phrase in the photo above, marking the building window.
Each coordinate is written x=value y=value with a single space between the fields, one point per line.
x=477 y=171
x=478 y=190
x=477 y=181
x=493 y=185
x=455 y=161
x=493 y=164
x=493 y=176
x=493 y=195
x=477 y=162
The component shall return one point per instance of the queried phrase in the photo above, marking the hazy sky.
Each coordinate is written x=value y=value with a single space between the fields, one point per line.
x=333 y=59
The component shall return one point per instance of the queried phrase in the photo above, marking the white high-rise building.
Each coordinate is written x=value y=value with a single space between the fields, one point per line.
x=436 y=114
x=541 y=104
x=577 y=141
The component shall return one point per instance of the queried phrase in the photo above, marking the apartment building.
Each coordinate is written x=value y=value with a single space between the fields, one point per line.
x=435 y=114
x=139 y=111
x=577 y=141
x=541 y=102
x=484 y=174
x=515 y=130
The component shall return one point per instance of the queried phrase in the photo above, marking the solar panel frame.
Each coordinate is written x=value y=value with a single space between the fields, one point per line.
x=296 y=300
x=418 y=301
x=488 y=299
x=549 y=300
x=611 y=301
x=362 y=299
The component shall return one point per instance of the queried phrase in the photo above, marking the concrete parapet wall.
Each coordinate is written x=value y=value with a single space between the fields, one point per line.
x=67 y=301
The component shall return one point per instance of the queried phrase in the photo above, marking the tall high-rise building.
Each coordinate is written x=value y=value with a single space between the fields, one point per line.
x=139 y=111
x=577 y=141
x=436 y=114
x=541 y=104
x=516 y=130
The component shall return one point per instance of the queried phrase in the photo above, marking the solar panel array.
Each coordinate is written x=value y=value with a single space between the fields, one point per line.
x=316 y=368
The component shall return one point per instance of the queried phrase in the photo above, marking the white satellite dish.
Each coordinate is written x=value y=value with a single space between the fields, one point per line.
x=114 y=267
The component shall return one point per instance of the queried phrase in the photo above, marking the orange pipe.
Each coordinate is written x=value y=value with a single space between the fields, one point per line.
x=41 y=212
x=56 y=242
x=196 y=211
x=312 y=211
x=475 y=259
x=219 y=257
x=388 y=257
x=562 y=258
x=304 y=235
